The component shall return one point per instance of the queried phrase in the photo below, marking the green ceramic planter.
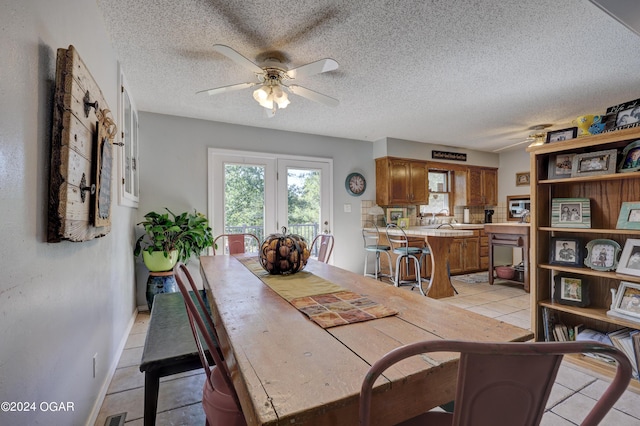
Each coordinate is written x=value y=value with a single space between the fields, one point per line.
x=156 y=262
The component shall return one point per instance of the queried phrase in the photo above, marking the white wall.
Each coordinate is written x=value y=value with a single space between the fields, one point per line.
x=173 y=172
x=512 y=162
x=59 y=303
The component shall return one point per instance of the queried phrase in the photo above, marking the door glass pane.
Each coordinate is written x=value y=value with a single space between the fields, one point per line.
x=126 y=128
x=244 y=200
x=134 y=154
x=303 y=199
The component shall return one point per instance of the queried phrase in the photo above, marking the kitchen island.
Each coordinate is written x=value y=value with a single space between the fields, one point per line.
x=438 y=239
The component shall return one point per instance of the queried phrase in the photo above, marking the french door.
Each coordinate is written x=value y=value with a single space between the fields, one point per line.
x=259 y=194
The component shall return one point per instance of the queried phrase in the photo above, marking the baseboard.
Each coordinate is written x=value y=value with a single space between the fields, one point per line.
x=112 y=371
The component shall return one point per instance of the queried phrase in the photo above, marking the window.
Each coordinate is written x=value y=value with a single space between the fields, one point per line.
x=128 y=190
x=439 y=193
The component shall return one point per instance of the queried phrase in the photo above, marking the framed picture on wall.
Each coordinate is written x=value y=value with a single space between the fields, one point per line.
x=395 y=213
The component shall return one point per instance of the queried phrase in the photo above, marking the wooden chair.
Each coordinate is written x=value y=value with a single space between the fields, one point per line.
x=501 y=384
x=219 y=399
x=323 y=244
x=235 y=243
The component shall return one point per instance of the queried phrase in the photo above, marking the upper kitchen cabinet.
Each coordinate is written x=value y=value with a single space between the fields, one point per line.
x=401 y=181
x=477 y=186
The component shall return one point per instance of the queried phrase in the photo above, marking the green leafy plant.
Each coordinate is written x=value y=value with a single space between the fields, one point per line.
x=188 y=233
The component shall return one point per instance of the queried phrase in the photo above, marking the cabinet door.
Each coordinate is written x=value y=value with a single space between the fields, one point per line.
x=456 y=264
x=471 y=254
x=474 y=187
x=399 y=181
x=419 y=179
x=490 y=186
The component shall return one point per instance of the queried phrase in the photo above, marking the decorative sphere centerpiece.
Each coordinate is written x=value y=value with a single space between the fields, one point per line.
x=284 y=253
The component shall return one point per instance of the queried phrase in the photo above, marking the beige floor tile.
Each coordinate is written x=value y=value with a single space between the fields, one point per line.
x=629 y=402
x=126 y=378
x=180 y=392
x=135 y=340
x=501 y=307
x=558 y=394
x=484 y=311
x=573 y=379
x=131 y=402
x=551 y=419
x=130 y=357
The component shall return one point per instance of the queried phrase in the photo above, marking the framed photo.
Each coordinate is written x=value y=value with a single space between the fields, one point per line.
x=562 y=135
x=568 y=290
x=627 y=299
x=602 y=255
x=630 y=258
x=629 y=217
x=570 y=213
x=523 y=179
x=626 y=115
x=630 y=158
x=517 y=206
x=403 y=222
x=560 y=166
x=395 y=213
x=594 y=163
x=566 y=251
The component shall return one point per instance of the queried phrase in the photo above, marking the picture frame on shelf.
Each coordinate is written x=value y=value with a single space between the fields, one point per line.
x=629 y=217
x=629 y=109
x=630 y=159
x=602 y=254
x=629 y=262
x=517 y=206
x=562 y=135
x=403 y=222
x=570 y=290
x=560 y=166
x=571 y=213
x=626 y=300
x=523 y=178
x=566 y=251
x=395 y=213
x=594 y=163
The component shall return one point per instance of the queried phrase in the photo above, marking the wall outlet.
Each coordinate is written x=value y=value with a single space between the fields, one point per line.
x=95 y=364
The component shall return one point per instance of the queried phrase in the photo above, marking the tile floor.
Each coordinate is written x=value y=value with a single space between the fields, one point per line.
x=179 y=399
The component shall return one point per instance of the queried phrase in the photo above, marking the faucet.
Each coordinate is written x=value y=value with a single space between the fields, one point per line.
x=526 y=214
x=433 y=215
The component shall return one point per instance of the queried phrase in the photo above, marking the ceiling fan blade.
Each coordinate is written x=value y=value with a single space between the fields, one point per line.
x=314 y=96
x=527 y=140
x=226 y=89
x=317 y=67
x=237 y=58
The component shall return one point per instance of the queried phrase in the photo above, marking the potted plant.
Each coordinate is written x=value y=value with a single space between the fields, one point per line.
x=170 y=238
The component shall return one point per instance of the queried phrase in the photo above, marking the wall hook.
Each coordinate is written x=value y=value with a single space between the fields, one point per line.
x=88 y=104
x=84 y=187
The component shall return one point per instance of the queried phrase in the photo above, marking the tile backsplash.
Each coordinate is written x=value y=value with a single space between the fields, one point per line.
x=476 y=213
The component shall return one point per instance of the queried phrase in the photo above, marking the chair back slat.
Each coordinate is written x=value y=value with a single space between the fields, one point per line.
x=235 y=243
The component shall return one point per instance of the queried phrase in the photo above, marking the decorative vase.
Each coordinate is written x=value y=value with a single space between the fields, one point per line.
x=284 y=253
x=584 y=122
x=157 y=262
x=160 y=282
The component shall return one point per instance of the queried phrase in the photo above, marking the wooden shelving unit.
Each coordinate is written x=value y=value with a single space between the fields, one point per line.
x=607 y=193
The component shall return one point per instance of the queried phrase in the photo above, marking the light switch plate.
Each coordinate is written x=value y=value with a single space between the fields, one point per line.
x=347 y=208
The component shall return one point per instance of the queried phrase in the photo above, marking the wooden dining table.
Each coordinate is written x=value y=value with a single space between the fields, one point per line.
x=288 y=370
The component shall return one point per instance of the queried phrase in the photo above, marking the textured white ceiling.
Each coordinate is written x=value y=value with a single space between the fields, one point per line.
x=465 y=73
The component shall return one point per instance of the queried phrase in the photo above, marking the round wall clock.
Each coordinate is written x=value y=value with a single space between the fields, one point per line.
x=355 y=184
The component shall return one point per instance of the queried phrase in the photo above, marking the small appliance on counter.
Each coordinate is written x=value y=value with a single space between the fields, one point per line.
x=488 y=215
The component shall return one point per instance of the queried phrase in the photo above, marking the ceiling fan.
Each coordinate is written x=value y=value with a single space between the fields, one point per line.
x=274 y=80
x=537 y=137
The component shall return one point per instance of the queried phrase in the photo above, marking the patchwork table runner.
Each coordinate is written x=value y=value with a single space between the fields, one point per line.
x=324 y=302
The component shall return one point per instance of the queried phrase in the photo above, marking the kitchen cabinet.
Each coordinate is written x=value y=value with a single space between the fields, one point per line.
x=401 y=181
x=606 y=193
x=476 y=186
x=464 y=254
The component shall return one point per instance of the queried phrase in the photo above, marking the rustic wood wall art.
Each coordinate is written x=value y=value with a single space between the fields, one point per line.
x=81 y=143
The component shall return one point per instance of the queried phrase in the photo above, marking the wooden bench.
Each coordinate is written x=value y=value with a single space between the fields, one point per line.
x=169 y=348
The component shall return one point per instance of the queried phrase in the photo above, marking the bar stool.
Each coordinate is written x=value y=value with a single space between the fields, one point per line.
x=400 y=246
x=371 y=237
